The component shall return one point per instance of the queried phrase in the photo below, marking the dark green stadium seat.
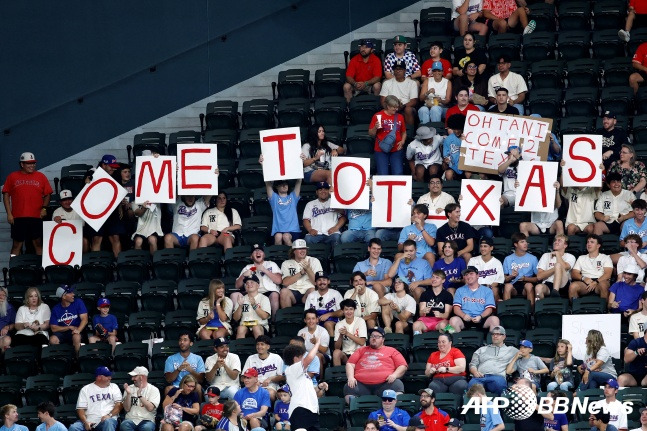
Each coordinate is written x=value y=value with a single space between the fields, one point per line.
x=190 y=292
x=179 y=321
x=514 y=313
x=236 y=258
x=222 y=114
x=617 y=99
x=294 y=112
x=616 y=71
x=538 y=46
x=21 y=361
x=336 y=379
x=361 y=406
x=548 y=312
x=256 y=230
x=160 y=352
x=157 y=295
x=294 y=83
x=142 y=325
x=329 y=82
x=168 y=264
x=330 y=111
x=606 y=44
x=72 y=384
x=152 y=141
x=581 y=101
x=249 y=143
x=358 y=140
x=547 y=74
x=576 y=125
x=57 y=359
x=225 y=140
x=362 y=108
x=42 y=388
x=573 y=44
x=414 y=378
x=26 y=270
x=435 y=21
x=94 y=355
x=258 y=114
x=589 y=305
x=130 y=355
x=544 y=341
x=583 y=72
x=10 y=387
x=134 y=265
x=609 y=15
x=122 y=296
x=205 y=262
x=346 y=255
x=331 y=412
x=182 y=137
x=289 y=320
x=574 y=15
x=423 y=345
x=545 y=102
x=544 y=16
x=504 y=44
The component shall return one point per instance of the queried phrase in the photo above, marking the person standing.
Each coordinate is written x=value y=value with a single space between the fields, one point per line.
x=304 y=406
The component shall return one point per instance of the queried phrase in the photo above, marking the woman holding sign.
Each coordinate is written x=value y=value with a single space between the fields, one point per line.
x=318 y=154
x=390 y=134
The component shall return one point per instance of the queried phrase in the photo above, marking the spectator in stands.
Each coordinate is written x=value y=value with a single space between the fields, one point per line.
x=638 y=321
x=94 y=414
x=560 y=367
x=432 y=418
x=466 y=16
x=375 y=268
x=350 y=333
x=488 y=365
x=211 y=411
x=182 y=364
x=592 y=271
x=313 y=332
x=554 y=270
x=26 y=195
x=600 y=421
x=68 y=319
x=371 y=425
x=415 y=271
x=220 y=224
x=462 y=106
x=364 y=72
x=597 y=367
x=360 y=228
x=125 y=179
x=425 y=154
x=451 y=266
x=269 y=277
x=253 y=310
x=435 y=306
x=473 y=305
x=7 y=319
x=390 y=417
x=446 y=367
x=268 y=365
x=435 y=95
x=365 y=378
x=513 y=82
x=612 y=208
x=325 y=302
x=635 y=358
x=544 y=222
x=636 y=16
x=149 y=225
x=639 y=62
x=298 y=275
x=636 y=226
x=436 y=200
x=46 y=413
x=624 y=296
x=423 y=233
x=581 y=204
x=502 y=106
x=469 y=53
x=520 y=269
x=366 y=300
x=452 y=147
x=215 y=312
x=181 y=405
x=254 y=400
x=317 y=155
x=489 y=268
x=323 y=223
x=402 y=87
x=66 y=213
x=400 y=53
x=104 y=324
x=527 y=365
x=384 y=125
x=285 y=221
x=223 y=369
x=32 y=320
x=187 y=215
x=490 y=416
x=435 y=53
x=456 y=230
x=475 y=83
x=505 y=15
x=632 y=257
x=140 y=402
x=313 y=370
x=611 y=405
x=9 y=414
x=398 y=306
x=612 y=139
x=633 y=172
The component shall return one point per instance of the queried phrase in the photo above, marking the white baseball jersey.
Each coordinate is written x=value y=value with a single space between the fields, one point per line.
x=329 y=302
x=489 y=272
x=321 y=216
x=320 y=334
x=249 y=317
x=97 y=401
x=265 y=283
x=638 y=323
x=137 y=411
x=357 y=327
x=547 y=262
x=269 y=367
x=292 y=267
x=593 y=267
x=615 y=206
x=617 y=412
x=406 y=303
x=435 y=204
x=366 y=303
x=627 y=260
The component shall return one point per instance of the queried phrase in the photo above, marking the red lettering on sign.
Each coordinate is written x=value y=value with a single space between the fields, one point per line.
x=540 y=183
x=184 y=168
x=50 y=247
x=479 y=202
x=336 y=186
x=157 y=183
x=98 y=198
x=279 y=139
x=584 y=159
x=389 y=204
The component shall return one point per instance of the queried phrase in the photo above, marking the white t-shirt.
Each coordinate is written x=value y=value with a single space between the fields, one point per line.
x=66 y=215
x=271 y=366
x=249 y=314
x=489 y=272
x=357 y=327
x=265 y=282
x=23 y=315
x=366 y=303
x=137 y=411
x=404 y=91
x=626 y=260
x=215 y=219
x=186 y=220
x=425 y=155
x=406 y=303
x=439 y=202
x=204 y=309
x=303 y=392
x=581 y=205
x=638 y=323
x=292 y=267
x=513 y=82
x=544 y=220
x=617 y=412
x=320 y=334
x=547 y=262
x=330 y=302
x=321 y=163
x=221 y=379
x=150 y=222
x=474 y=6
x=615 y=206
x=321 y=216
x=593 y=267
x=97 y=401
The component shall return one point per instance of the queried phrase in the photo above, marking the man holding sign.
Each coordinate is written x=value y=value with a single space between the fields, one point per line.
x=187 y=215
x=322 y=222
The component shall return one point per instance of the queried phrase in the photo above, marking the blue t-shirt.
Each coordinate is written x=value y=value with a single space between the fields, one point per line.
x=284 y=213
x=525 y=265
x=251 y=402
x=381 y=269
x=452 y=149
x=416 y=270
x=68 y=316
x=281 y=409
x=638 y=365
x=474 y=303
x=56 y=427
x=185 y=400
x=359 y=219
x=626 y=295
x=15 y=427
x=452 y=270
x=491 y=417
x=421 y=245
x=556 y=423
x=399 y=417
x=630 y=227
x=174 y=361
x=109 y=322
x=9 y=318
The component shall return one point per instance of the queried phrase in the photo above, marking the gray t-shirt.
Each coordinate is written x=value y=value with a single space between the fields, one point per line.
x=533 y=362
x=604 y=356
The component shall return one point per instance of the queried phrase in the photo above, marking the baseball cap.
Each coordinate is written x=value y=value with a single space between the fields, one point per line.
x=63 y=290
x=399 y=64
x=526 y=343
x=27 y=157
x=285 y=388
x=389 y=393
x=299 y=243
x=498 y=329
x=470 y=269
x=613 y=383
x=257 y=247
x=609 y=114
x=252 y=277
x=220 y=342
x=65 y=194
x=323 y=185
x=321 y=274
x=427 y=391
x=512 y=147
x=103 y=302
x=139 y=371
x=367 y=43
x=487 y=240
x=376 y=329
x=213 y=391
x=415 y=421
x=454 y=423
x=424 y=132
x=400 y=39
x=436 y=65
x=110 y=160
x=103 y=371
x=250 y=372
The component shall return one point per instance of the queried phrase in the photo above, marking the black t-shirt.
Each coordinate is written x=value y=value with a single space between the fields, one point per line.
x=534 y=423
x=461 y=57
x=613 y=141
x=508 y=110
x=460 y=234
x=436 y=302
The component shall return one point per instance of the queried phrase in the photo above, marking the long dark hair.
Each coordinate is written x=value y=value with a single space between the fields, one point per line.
x=227 y=210
x=313 y=140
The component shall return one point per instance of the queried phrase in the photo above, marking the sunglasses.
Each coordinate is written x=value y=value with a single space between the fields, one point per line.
x=321 y=300
x=388 y=400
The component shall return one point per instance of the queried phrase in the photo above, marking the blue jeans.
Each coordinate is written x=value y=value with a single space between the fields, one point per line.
x=333 y=239
x=129 y=425
x=519 y=107
x=596 y=379
x=388 y=234
x=383 y=160
x=491 y=382
x=565 y=386
x=229 y=392
x=433 y=114
x=358 y=236
x=107 y=425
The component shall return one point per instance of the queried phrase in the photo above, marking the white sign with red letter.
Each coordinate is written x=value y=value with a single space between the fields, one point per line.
x=98 y=199
x=536 y=191
x=196 y=174
x=582 y=156
x=63 y=243
x=281 y=149
x=480 y=204
x=392 y=194
x=349 y=175
x=155 y=181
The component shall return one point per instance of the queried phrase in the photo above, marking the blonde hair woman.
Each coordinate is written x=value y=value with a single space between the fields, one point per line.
x=182 y=398
x=598 y=366
x=214 y=313
x=32 y=320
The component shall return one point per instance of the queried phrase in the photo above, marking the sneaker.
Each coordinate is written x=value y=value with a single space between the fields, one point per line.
x=388 y=330
x=417 y=332
x=624 y=35
x=532 y=25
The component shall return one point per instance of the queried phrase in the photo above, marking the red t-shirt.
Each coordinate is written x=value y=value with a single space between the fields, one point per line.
x=640 y=6
x=435 y=421
x=502 y=9
x=373 y=366
x=641 y=54
x=426 y=67
x=26 y=192
x=447 y=361
x=456 y=110
x=360 y=71
x=387 y=126
x=213 y=410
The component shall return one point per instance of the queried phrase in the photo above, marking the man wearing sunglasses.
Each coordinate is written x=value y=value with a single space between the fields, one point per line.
x=325 y=302
x=389 y=416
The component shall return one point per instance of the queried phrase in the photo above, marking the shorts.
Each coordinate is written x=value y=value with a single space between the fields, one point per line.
x=295 y=235
x=298 y=296
x=581 y=226
x=472 y=325
x=113 y=225
x=519 y=286
x=181 y=239
x=26 y=228
x=614 y=227
x=430 y=322
x=307 y=176
x=362 y=389
x=510 y=197
x=64 y=337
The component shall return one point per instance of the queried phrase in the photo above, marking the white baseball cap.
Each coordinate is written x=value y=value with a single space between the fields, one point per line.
x=65 y=194
x=27 y=158
x=299 y=243
x=139 y=371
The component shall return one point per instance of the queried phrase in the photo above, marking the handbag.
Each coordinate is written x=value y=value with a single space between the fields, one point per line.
x=172 y=415
x=386 y=144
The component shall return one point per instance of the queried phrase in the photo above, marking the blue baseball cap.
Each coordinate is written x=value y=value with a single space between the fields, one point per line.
x=103 y=371
x=436 y=65
x=110 y=160
x=526 y=343
x=389 y=393
x=103 y=302
x=613 y=383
